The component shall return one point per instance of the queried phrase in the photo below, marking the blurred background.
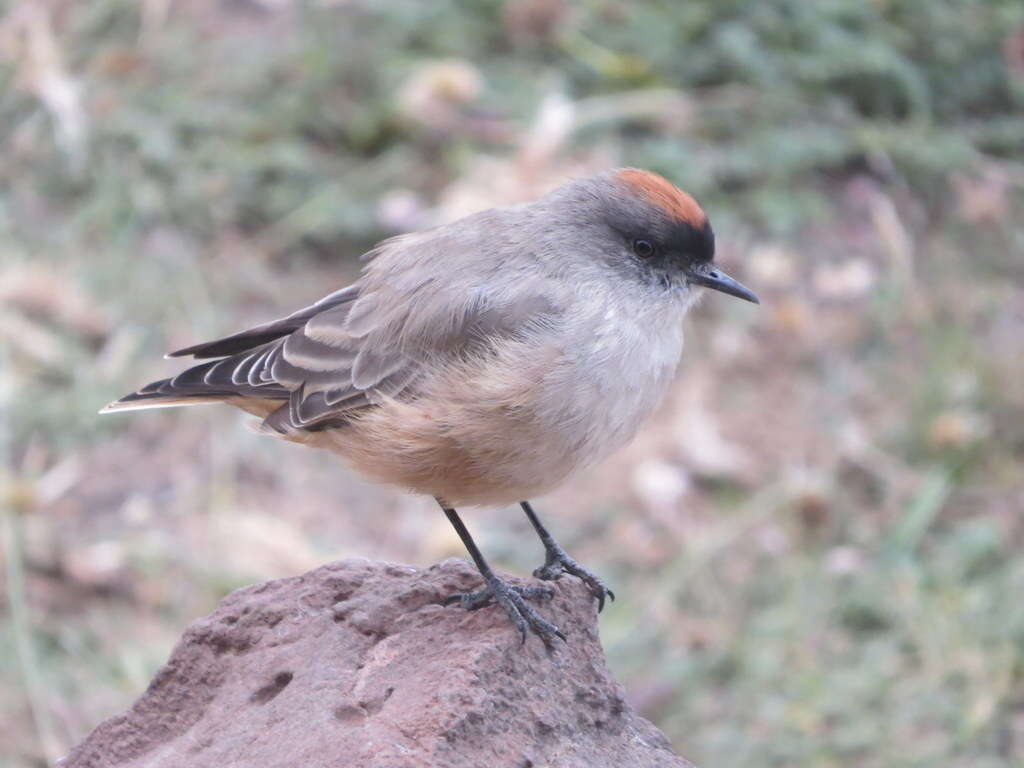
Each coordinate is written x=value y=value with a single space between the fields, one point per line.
x=817 y=545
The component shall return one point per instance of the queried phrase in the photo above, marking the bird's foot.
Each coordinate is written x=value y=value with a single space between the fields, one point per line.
x=557 y=562
x=513 y=599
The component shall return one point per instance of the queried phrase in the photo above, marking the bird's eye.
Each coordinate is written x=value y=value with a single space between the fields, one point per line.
x=643 y=248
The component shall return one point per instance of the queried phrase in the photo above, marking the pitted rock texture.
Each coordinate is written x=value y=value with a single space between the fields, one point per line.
x=356 y=664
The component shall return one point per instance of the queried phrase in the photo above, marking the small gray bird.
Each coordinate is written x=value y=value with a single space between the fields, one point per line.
x=483 y=361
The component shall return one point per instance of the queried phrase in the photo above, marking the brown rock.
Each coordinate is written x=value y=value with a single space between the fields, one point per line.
x=356 y=664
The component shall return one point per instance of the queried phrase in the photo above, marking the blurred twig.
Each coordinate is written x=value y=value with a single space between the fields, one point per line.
x=29 y=41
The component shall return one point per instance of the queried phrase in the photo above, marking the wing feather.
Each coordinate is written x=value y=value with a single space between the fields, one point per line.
x=261 y=334
x=367 y=342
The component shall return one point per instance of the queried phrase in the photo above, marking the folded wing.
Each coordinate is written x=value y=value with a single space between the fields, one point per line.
x=342 y=354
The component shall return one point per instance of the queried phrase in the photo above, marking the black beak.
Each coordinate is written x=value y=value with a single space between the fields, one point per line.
x=716 y=279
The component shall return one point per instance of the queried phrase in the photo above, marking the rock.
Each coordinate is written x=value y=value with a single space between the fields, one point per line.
x=356 y=664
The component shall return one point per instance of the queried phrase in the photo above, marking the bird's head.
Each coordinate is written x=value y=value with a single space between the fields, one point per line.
x=645 y=226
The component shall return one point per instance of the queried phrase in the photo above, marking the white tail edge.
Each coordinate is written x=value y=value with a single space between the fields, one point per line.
x=143 y=405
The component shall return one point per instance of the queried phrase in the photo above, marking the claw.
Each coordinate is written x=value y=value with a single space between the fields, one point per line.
x=513 y=600
x=558 y=563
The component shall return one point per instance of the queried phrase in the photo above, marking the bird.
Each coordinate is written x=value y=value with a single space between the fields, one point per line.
x=483 y=361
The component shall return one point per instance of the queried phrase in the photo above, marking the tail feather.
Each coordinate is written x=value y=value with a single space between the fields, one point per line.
x=243 y=372
x=163 y=394
x=209 y=382
x=138 y=402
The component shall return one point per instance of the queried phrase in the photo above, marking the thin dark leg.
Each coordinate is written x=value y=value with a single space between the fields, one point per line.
x=510 y=597
x=557 y=562
x=471 y=547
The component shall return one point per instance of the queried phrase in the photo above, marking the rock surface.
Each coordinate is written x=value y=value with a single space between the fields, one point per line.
x=356 y=664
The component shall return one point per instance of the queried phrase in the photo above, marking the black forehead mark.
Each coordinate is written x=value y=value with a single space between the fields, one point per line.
x=696 y=243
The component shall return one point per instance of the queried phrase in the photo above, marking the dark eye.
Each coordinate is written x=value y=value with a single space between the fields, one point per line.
x=643 y=248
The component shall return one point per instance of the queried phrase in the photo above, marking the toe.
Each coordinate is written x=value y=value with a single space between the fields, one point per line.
x=519 y=621
x=549 y=571
x=545 y=630
x=538 y=625
x=535 y=593
x=470 y=601
x=600 y=591
x=566 y=564
x=512 y=598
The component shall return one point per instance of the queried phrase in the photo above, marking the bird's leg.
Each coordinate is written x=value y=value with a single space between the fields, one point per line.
x=557 y=562
x=510 y=597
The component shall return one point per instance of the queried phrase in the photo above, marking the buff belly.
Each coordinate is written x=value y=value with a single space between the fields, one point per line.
x=501 y=428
